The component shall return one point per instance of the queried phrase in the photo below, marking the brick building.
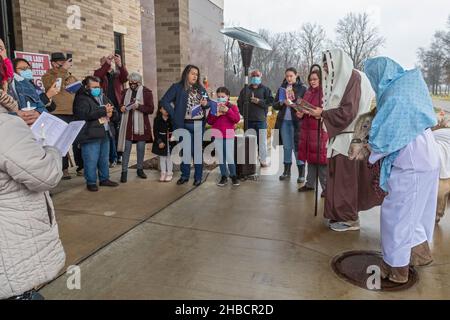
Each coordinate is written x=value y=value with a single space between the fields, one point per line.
x=155 y=37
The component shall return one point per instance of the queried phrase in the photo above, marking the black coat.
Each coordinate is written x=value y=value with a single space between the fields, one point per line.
x=162 y=131
x=299 y=90
x=87 y=108
x=256 y=112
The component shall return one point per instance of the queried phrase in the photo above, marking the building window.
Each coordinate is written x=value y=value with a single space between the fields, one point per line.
x=7 y=26
x=118 y=45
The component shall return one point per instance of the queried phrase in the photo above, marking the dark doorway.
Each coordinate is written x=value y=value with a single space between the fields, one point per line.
x=7 y=26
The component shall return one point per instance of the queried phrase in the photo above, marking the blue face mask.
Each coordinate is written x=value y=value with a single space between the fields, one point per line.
x=222 y=100
x=27 y=74
x=256 y=80
x=96 y=92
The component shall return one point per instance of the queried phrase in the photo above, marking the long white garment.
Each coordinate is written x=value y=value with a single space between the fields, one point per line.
x=442 y=137
x=408 y=212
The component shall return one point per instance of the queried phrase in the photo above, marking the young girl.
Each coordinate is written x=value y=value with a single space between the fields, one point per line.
x=224 y=122
x=162 y=130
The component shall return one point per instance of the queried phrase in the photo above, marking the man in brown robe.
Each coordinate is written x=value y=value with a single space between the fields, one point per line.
x=347 y=94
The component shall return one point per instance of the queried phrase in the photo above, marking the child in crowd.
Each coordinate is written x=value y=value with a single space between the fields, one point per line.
x=162 y=146
x=223 y=121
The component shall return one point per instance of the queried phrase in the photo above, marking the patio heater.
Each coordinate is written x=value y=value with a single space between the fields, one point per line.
x=247 y=40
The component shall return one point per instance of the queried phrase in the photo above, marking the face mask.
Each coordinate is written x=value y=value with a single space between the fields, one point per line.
x=27 y=74
x=256 y=80
x=222 y=100
x=95 y=92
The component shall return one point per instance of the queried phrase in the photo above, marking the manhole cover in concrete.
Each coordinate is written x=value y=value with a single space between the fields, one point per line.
x=359 y=268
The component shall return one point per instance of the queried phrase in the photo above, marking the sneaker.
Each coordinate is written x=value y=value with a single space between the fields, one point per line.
x=92 y=187
x=235 y=181
x=264 y=164
x=113 y=164
x=109 y=183
x=223 y=182
x=182 y=181
x=163 y=177
x=169 y=177
x=345 y=226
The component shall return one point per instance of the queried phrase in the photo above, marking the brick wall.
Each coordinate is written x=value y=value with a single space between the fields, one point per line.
x=172 y=41
x=41 y=26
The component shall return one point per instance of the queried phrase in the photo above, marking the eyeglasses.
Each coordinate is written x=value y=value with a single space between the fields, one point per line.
x=24 y=68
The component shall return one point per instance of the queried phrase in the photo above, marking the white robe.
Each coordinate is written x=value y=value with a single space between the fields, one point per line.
x=442 y=137
x=408 y=212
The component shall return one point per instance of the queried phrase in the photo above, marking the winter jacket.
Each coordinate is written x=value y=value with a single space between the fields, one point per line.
x=63 y=100
x=162 y=131
x=225 y=123
x=31 y=253
x=87 y=108
x=256 y=112
x=308 y=145
x=175 y=102
x=120 y=78
x=299 y=90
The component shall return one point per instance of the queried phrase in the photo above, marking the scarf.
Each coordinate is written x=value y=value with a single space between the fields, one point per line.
x=340 y=69
x=404 y=110
x=138 y=118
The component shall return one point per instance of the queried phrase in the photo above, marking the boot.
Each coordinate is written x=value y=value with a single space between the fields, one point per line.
x=124 y=177
x=301 y=174
x=141 y=174
x=287 y=172
x=399 y=275
x=421 y=255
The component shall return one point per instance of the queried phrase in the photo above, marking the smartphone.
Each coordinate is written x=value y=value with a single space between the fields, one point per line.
x=58 y=83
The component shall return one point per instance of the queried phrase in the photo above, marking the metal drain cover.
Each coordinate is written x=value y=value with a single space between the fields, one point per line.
x=356 y=267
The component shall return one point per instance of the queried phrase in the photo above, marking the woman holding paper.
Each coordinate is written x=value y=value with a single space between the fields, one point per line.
x=137 y=107
x=186 y=102
x=309 y=149
x=30 y=249
x=291 y=89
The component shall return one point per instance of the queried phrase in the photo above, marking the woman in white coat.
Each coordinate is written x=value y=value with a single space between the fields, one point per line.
x=31 y=253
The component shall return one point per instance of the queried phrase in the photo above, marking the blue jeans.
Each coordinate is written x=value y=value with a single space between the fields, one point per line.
x=96 y=156
x=287 y=135
x=186 y=167
x=225 y=153
x=261 y=130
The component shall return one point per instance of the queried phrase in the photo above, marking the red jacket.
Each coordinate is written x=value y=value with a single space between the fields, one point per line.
x=119 y=79
x=226 y=123
x=308 y=145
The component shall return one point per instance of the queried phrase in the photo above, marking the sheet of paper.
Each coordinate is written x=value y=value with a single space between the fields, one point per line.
x=69 y=135
x=47 y=129
x=52 y=131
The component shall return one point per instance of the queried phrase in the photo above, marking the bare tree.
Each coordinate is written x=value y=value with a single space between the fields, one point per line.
x=358 y=38
x=310 y=40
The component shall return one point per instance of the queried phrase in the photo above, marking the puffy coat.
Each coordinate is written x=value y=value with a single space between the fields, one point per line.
x=308 y=146
x=31 y=252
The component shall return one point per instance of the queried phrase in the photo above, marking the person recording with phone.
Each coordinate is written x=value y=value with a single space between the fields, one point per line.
x=113 y=75
x=63 y=101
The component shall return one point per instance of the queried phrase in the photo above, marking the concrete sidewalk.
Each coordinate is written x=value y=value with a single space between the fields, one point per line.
x=257 y=241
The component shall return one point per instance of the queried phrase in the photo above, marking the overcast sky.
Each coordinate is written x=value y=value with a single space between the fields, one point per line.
x=406 y=25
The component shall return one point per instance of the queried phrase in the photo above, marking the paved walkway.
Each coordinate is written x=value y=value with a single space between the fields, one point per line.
x=258 y=241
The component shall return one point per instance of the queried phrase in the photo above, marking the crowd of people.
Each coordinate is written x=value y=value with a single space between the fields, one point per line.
x=116 y=107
